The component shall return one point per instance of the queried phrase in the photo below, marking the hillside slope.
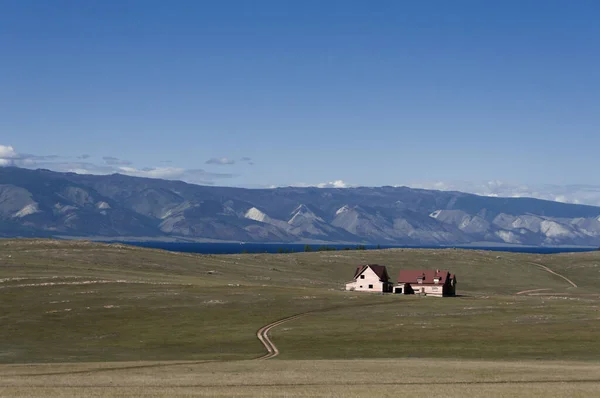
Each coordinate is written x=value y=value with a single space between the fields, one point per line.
x=43 y=203
x=79 y=301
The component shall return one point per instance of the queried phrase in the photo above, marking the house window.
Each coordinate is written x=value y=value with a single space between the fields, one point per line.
x=362 y=277
x=370 y=286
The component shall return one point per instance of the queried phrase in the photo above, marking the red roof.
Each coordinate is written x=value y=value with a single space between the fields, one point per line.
x=379 y=270
x=428 y=275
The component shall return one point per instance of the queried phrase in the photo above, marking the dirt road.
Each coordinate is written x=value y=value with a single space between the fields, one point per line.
x=263 y=336
x=542 y=266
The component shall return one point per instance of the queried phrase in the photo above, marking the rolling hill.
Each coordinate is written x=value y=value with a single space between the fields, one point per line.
x=65 y=301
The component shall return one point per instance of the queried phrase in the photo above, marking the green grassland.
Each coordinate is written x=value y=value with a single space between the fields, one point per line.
x=81 y=301
x=88 y=304
x=297 y=378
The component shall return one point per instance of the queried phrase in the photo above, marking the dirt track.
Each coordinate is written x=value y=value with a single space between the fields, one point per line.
x=542 y=266
x=263 y=336
x=531 y=291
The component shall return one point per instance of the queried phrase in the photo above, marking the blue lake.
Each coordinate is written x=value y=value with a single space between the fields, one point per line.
x=233 y=248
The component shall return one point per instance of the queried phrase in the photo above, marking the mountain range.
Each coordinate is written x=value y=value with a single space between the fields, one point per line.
x=43 y=203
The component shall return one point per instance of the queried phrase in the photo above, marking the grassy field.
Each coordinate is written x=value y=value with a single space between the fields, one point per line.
x=80 y=305
x=348 y=378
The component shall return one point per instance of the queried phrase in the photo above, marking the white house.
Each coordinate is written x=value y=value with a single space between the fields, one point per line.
x=370 y=278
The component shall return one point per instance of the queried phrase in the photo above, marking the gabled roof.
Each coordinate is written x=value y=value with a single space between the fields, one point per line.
x=379 y=270
x=428 y=275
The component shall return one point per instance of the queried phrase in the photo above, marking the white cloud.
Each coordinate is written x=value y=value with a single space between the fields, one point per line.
x=80 y=171
x=332 y=184
x=7 y=153
x=577 y=194
x=220 y=161
x=198 y=176
x=155 y=172
x=10 y=157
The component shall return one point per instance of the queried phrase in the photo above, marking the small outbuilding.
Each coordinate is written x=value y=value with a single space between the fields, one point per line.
x=439 y=283
x=371 y=278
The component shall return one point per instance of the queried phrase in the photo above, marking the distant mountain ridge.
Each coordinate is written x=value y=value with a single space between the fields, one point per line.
x=43 y=203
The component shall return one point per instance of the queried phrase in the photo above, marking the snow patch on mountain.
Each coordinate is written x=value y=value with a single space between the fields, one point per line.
x=359 y=221
x=587 y=226
x=342 y=209
x=177 y=210
x=465 y=222
x=349 y=219
x=102 y=205
x=302 y=214
x=435 y=214
x=531 y=223
x=27 y=210
x=508 y=237
x=256 y=215
x=553 y=229
x=304 y=222
x=13 y=199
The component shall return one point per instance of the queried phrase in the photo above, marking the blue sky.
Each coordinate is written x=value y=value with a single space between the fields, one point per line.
x=261 y=93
